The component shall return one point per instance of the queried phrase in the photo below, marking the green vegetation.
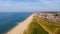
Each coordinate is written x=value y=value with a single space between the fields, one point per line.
x=35 y=28
x=51 y=27
x=48 y=27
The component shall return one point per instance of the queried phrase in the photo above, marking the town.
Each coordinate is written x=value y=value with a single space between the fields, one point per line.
x=50 y=16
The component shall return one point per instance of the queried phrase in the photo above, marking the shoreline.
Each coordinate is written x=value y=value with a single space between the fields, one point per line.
x=20 y=27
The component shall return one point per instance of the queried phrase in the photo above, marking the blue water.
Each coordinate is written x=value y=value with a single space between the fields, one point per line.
x=9 y=19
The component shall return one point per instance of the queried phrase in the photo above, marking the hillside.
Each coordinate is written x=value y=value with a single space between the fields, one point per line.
x=35 y=28
x=41 y=26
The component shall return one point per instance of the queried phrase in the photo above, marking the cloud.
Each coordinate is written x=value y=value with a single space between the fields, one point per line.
x=29 y=5
x=51 y=4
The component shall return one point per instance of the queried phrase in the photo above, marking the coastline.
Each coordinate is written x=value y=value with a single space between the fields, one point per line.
x=20 y=27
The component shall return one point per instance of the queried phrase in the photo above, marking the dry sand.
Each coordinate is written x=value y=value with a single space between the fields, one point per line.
x=19 y=29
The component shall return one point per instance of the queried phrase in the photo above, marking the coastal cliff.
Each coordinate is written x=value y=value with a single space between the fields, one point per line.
x=19 y=29
x=35 y=25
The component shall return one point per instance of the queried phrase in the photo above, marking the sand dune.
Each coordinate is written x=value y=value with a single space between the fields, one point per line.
x=19 y=29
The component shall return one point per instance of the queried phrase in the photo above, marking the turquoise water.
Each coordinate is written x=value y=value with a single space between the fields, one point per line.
x=9 y=19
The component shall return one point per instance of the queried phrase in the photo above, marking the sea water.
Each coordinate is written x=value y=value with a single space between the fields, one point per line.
x=10 y=19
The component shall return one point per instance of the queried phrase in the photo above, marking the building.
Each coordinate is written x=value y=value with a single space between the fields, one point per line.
x=54 y=17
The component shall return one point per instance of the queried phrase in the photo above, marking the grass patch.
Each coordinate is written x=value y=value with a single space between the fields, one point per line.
x=35 y=28
x=48 y=25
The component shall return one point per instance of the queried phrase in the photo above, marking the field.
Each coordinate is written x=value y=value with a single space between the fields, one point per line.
x=35 y=28
x=41 y=26
x=51 y=28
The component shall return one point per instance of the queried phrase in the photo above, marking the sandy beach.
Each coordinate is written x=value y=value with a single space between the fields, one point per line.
x=19 y=29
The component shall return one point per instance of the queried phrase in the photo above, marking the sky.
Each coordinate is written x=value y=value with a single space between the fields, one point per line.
x=29 y=5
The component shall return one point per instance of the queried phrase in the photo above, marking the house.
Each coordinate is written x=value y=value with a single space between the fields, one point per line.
x=55 y=17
